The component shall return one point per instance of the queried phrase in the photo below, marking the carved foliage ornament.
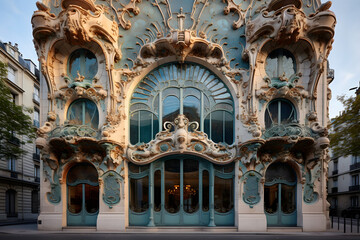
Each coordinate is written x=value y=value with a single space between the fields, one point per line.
x=184 y=139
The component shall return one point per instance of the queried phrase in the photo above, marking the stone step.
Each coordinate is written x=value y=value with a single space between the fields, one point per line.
x=79 y=229
x=284 y=229
x=180 y=229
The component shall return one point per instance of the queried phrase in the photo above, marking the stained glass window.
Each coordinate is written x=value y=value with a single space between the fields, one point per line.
x=188 y=89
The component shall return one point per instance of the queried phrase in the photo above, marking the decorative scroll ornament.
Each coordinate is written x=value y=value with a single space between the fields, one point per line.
x=286 y=22
x=291 y=130
x=185 y=139
x=249 y=151
x=121 y=10
x=111 y=195
x=96 y=93
x=251 y=193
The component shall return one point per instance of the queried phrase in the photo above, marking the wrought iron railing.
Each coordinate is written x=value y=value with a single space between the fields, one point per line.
x=355 y=166
x=287 y=129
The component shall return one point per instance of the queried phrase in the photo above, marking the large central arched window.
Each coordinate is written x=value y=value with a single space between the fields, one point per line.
x=187 y=89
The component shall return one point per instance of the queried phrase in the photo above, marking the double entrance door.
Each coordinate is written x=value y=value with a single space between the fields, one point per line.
x=280 y=195
x=181 y=191
x=82 y=195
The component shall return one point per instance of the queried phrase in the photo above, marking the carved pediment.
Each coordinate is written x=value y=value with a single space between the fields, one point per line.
x=181 y=136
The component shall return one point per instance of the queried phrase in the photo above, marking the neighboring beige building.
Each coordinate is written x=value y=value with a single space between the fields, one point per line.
x=193 y=113
x=344 y=186
x=20 y=177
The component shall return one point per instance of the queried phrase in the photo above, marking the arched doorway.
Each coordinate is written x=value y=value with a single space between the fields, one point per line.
x=181 y=191
x=280 y=195
x=82 y=195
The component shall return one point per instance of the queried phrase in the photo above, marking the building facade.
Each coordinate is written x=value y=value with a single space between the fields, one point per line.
x=184 y=113
x=344 y=186
x=20 y=177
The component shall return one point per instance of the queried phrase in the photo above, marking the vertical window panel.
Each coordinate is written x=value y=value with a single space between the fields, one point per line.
x=172 y=185
x=171 y=108
x=223 y=194
x=191 y=185
x=139 y=194
x=192 y=108
x=205 y=191
x=157 y=190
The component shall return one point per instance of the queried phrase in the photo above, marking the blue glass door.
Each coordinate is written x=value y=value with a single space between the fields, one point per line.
x=182 y=191
x=280 y=196
x=82 y=196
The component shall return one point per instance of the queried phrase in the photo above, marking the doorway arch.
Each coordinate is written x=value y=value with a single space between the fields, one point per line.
x=82 y=195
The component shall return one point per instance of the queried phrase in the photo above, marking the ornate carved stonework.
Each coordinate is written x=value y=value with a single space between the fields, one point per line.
x=184 y=139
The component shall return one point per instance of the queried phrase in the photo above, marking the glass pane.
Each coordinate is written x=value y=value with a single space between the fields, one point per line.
x=157 y=191
x=74 y=115
x=205 y=191
x=145 y=126
x=91 y=66
x=82 y=172
x=223 y=194
x=287 y=199
x=172 y=185
x=83 y=62
x=271 y=198
x=74 y=64
x=217 y=126
x=191 y=185
x=171 y=108
x=207 y=126
x=229 y=128
x=75 y=195
x=134 y=128
x=155 y=126
x=192 y=108
x=91 y=114
x=287 y=112
x=280 y=63
x=91 y=198
x=139 y=194
x=280 y=170
x=273 y=111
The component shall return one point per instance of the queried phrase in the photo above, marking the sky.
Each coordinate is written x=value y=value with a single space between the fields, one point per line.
x=15 y=16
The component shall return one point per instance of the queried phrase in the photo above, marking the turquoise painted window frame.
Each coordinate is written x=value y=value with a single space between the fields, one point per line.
x=181 y=81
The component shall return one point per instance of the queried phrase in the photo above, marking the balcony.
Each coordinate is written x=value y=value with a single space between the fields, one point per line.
x=36 y=123
x=354 y=188
x=36 y=157
x=355 y=166
x=334 y=172
x=334 y=190
x=14 y=140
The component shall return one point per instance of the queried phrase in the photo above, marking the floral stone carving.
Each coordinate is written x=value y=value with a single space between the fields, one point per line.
x=111 y=195
x=184 y=139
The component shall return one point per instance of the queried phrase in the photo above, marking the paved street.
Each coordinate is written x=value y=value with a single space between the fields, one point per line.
x=29 y=231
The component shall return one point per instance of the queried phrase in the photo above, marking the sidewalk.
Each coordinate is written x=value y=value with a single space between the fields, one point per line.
x=31 y=229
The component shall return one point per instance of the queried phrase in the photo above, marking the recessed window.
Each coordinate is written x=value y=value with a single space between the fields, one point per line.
x=280 y=63
x=11 y=74
x=82 y=65
x=279 y=111
x=83 y=112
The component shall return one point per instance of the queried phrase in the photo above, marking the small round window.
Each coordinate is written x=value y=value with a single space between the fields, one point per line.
x=280 y=63
x=83 y=112
x=279 y=111
x=82 y=63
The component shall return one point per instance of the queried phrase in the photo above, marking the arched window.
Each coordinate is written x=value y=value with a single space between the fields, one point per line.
x=279 y=111
x=280 y=63
x=83 y=112
x=82 y=62
x=187 y=89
